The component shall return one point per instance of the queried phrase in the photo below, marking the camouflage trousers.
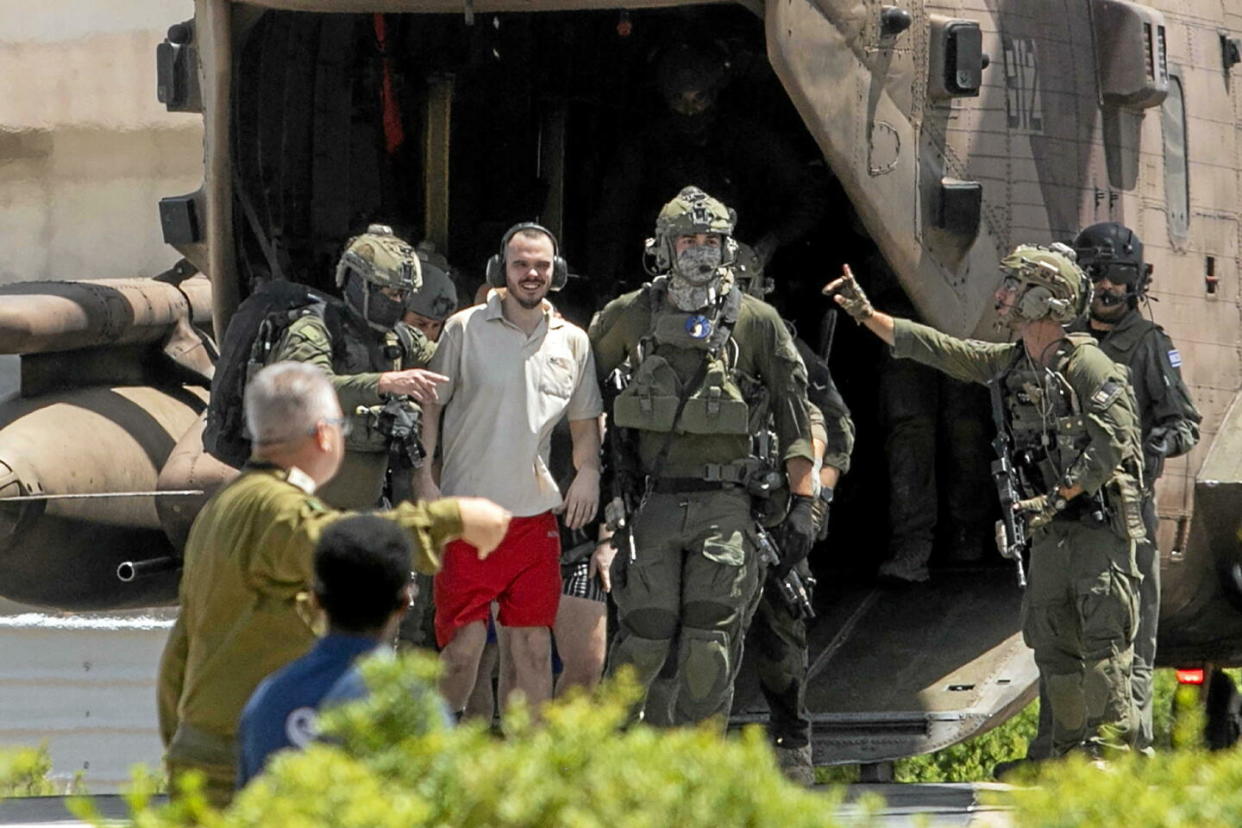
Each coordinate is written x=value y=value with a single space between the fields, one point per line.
x=1079 y=616
x=1147 y=560
x=694 y=582
x=777 y=640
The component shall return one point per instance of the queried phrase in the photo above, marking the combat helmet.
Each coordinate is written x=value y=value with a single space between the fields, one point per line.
x=437 y=297
x=692 y=211
x=1112 y=251
x=1051 y=284
x=378 y=259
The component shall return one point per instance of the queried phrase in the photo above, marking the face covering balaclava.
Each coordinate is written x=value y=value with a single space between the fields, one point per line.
x=693 y=280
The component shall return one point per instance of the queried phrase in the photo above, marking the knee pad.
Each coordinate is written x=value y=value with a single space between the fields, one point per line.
x=645 y=655
x=705 y=664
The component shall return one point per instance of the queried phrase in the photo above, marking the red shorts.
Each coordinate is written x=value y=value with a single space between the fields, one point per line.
x=523 y=574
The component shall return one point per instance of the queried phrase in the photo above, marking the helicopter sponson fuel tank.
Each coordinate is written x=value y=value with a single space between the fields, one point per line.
x=112 y=374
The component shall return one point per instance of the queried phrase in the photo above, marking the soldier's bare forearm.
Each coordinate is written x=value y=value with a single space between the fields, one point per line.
x=799 y=471
x=881 y=324
x=430 y=437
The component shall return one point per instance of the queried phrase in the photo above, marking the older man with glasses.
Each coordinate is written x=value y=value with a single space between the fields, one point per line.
x=248 y=567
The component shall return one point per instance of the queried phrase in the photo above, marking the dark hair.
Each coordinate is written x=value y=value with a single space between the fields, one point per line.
x=362 y=565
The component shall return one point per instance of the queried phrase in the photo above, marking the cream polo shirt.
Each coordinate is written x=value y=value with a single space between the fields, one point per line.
x=505 y=393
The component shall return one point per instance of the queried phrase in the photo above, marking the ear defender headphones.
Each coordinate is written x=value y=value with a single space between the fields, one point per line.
x=495 y=269
x=1036 y=303
x=1039 y=302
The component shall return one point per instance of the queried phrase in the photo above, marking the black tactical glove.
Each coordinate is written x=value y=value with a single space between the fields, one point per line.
x=797 y=533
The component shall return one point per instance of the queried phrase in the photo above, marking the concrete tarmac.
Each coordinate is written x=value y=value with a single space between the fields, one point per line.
x=903 y=805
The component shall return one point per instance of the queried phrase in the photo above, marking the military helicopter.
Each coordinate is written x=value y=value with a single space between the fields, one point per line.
x=945 y=133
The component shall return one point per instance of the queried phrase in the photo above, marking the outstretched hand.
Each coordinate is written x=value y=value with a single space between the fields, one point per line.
x=846 y=292
x=418 y=383
x=483 y=523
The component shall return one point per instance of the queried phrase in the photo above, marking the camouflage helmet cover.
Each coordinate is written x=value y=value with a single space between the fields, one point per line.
x=694 y=211
x=437 y=297
x=382 y=259
x=1056 y=286
x=691 y=211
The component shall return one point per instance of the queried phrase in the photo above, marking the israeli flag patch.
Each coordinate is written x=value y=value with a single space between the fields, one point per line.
x=1175 y=358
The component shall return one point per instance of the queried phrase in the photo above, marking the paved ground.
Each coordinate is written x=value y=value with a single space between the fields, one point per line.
x=940 y=805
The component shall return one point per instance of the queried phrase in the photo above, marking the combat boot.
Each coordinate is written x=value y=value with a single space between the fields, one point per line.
x=795 y=763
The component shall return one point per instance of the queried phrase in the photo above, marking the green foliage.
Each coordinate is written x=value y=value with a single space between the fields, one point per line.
x=24 y=771
x=1184 y=787
x=973 y=760
x=393 y=762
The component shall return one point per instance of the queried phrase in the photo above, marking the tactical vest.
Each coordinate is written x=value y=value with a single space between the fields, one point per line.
x=358 y=350
x=1044 y=419
x=1049 y=431
x=675 y=339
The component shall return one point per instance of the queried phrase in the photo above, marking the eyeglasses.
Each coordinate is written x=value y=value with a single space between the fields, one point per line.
x=346 y=426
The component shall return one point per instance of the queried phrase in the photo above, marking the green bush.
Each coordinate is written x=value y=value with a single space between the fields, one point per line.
x=24 y=771
x=973 y=760
x=392 y=762
x=1184 y=787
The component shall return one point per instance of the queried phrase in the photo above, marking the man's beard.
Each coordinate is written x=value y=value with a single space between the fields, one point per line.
x=1109 y=313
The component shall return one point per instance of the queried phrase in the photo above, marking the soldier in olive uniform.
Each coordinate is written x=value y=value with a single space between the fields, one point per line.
x=777 y=635
x=702 y=355
x=1112 y=257
x=248 y=564
x=369 y=354
x=1074 y=425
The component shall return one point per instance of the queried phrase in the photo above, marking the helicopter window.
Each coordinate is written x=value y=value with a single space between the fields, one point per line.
x=1176 y=169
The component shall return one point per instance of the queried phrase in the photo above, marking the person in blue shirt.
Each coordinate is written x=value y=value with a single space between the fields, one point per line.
x=363 y=586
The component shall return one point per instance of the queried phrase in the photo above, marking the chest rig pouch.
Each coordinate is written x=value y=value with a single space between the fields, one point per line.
x=685 y=340
x=361 y=354
x=1048 y=428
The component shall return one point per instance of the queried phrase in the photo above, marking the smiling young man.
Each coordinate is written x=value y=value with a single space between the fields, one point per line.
x=514 y=369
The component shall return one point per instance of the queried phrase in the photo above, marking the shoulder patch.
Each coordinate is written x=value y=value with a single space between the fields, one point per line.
x=1175 y=358
x=1106 y=394
x=301 y=479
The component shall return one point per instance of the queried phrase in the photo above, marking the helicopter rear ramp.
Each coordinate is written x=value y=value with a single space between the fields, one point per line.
x=899 y=672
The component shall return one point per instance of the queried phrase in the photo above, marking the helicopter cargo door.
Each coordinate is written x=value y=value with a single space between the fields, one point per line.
x=899 y=672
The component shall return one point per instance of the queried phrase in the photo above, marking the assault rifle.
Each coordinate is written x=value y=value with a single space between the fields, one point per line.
x=400 y=420
x=1011 y=537
x=795 y=592
x=624 y=484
